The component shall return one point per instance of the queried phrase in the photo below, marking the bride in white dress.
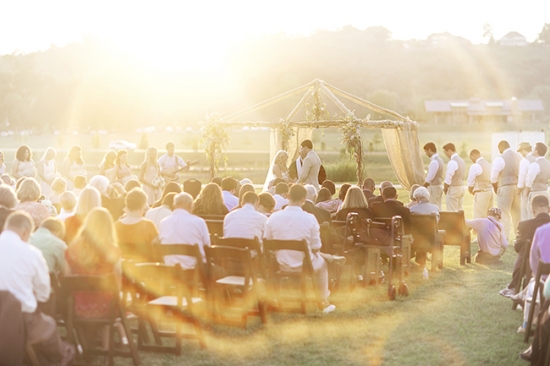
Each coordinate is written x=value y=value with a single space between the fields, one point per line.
x=278 y=169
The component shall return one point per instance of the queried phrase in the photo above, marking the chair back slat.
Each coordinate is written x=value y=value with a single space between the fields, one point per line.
x=454 y=225
x=215 y=227
x=190 y=250
x=252 y=244
x=424 y=226
x=88 y=283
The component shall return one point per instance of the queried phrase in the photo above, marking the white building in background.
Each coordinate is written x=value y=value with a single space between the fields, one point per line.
x=513 y=39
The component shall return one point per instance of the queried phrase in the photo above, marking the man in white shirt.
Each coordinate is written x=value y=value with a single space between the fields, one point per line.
x=182 y=227
x=280 y=196
x=311 y=165
x=24 y=273
x=454 y=179
x=293 y=223
x=170 y=164
x=229 y=190
x=434 y=179
x=524 y=149
x=245 y=222
x=538 y=174
x=479 y=184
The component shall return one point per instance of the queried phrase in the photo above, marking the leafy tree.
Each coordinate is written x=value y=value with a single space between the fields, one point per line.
x=544 y=35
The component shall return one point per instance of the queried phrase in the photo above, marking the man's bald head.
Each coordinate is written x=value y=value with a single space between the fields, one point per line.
x=385 y=184
x=183 y=200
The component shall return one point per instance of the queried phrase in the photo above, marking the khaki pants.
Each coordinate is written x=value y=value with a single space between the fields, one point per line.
x=508 y=202
x=532 y=195
x=436 y=192
x=483 y=201
x=526 y=209
x=455 y=196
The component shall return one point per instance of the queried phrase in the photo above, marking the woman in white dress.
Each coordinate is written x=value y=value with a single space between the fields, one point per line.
x=278 y=169
x=47 y=171
x=108 y=166
x=74 y=165
x=149 y=176
x=123 y=169
x=23 y=165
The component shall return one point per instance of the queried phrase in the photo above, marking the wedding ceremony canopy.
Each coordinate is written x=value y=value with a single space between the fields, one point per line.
x=400 y=133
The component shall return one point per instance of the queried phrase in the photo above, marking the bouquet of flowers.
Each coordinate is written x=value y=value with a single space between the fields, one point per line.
x=158 y=182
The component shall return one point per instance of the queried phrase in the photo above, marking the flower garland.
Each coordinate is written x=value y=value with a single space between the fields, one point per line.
x=215 y=139
x=285 y=132
x=352 y=138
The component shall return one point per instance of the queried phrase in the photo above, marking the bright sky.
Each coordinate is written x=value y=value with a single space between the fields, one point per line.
x=202 y=29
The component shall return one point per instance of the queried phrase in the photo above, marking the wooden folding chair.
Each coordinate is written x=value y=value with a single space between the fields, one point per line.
x=427 y=237
x=107 y=285
x=333 y=239
x=239 y=284
x=456 y=233
x=255 y=250
x=543 y=270
x=215 y=227
x=276 y=274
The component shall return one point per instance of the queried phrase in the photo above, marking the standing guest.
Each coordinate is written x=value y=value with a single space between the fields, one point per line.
x=504 y=177
x=156 y=215
x=311 y=165
x=94 y=251
x=112 y=195
x=479 y=184
x=123 y=169
x=170 y=164
x=434 y=179
x=524 y=149
x=58 y=187
x=331 y=205
x=24 y=273
x=538 y=174
x=392 y=207
x=247 y=187
x=354 y=201
x=210 y=201
x=79 y=184
x=266 y=203
x=280 y=196
x=454 y=179
x=23 y=165
x=89 y=199
x=413 y=200
x=309 y=206
x=74 y=165
x=47 y=171
x=135 y=232
x=170 y=187
x=182 y=227
x=28 y=195
x=522 y=245
x=2 y=165
x=108 y=166
x=67 y=201
x=245 y=222
x=49 y=239
x=490 y=236
x=293 y=223
x=229 y=189
x=380 y=198
x=369 y=188
x=8 y=201
x=423 y=205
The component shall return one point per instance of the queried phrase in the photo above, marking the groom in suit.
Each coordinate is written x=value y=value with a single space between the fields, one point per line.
x=311 y=164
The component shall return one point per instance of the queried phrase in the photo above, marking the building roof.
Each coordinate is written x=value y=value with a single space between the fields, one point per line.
x=479 y=106
x=513 y=34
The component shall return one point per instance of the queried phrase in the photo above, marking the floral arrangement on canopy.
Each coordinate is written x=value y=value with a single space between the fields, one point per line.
x=353 y=140
x=215 y=139
x=285 y=133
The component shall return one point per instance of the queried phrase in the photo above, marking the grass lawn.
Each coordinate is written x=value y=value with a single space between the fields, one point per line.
x=456 y=317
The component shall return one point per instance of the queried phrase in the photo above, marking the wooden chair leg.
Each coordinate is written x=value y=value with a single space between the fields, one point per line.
x=531 y=311
x=31 y=355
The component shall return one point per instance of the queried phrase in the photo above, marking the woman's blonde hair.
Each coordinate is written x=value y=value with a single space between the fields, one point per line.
x=355 y=199
x=209 y=201
x=88 y=200
x=279 y=160
x=29 y=190
x=59 y=183
x=96 y=239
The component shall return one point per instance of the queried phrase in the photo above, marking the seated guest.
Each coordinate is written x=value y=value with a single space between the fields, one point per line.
x=88 y=200
x=522 y=245
x=217 y=180
x=423 y=205
x=111 y=195
x=67 y=201
x=274 y=184
x=323 y=196
x=131 y=184
x=158 y=214
x=24 y=273
x=392 y=207
x=246 y=187
x=368 y=188
x=229 y=189
x=58 y=187
x=267 y=203
x=210 y=201
x=245 y=222
x=182 y=227
x=8 y=201
x=293 y=223
x=354 y=201
x=136 y=233
x=379 y=199
x=331 y=205
x=170 y=187
x=309 y=206
x=491 y=238
x=80 y=183
x=413 y=200
x=280 y=196
x=342 y=194
x=49 y=239
x=28 y=194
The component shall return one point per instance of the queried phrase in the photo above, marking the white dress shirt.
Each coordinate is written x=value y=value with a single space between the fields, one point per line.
x=181 y=227
x=168 y=162
x=523 y=169
x=158 y=214
x=475 y=170
x=244 y=222
x=23 y=271
x=299 y=164
x=452 y=166
x=532 y=172
x=432 y=168
x=280 y=201
x=293 y=223
x=230 y=200
x=498 y=165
